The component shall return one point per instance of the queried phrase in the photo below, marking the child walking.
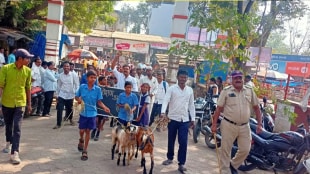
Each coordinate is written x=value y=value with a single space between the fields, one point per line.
x=91 y=95
x=100 y=119
x=143 y=117
x=127 y=103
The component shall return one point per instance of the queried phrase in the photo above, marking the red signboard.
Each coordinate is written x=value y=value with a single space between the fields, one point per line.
x=122 y=46
x=300 y=69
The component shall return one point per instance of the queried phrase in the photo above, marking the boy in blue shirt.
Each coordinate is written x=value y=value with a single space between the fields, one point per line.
x=125 y=114
x=91 y=95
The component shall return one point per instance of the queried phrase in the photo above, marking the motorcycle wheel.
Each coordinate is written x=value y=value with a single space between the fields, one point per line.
x=247 y=167
x=196 y=132
x=209 y=140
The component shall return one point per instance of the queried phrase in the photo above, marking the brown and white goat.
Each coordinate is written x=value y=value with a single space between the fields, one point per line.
x=145 y=143
x=125 y=139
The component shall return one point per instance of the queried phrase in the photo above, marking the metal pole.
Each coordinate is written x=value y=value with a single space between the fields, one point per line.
x=287 y=85
x=259 y=53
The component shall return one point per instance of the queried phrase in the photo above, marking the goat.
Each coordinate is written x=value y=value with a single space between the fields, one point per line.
x=145 y=143
x=123 y=137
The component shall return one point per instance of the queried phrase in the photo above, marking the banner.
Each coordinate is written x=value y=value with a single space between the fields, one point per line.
x=290 y=58
x=98 y=42
x=160 y=46
x=131 y=46
x=300 y=69
x=264 y=55
x=110 y=96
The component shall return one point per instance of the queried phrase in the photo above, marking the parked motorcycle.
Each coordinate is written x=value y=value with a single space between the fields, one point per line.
x=204 y=108
x=277 y=151
x=36 y=92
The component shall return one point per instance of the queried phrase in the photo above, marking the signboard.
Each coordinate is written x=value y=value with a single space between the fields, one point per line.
x=264 y=55
x=98 y=42
x=86 y=47
x=277 y=66
x=219 y=69
x=298 y=69
x=74 y=40
x=290 y=58
x=160 y=46
x=110 y=96
x=131 y=46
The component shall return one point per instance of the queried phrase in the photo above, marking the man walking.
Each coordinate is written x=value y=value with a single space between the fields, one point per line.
x=15 y=85
x=181 y=101
x=37 y=74
x=66 y=88
x=235 y=103
x=49 y=86
x=159 y=97
x=152 y=81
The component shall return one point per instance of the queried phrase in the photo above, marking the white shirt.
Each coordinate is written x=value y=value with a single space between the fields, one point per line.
x=37 y=73
x=152 y=82
x=250 y=83
x=67 y=86
x=161 y=92
x=2 y=59
x=121 y=79
x=180 y=102
x=76 y=77
x=138 y=78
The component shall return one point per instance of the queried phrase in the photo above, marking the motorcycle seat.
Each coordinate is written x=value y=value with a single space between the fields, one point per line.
x=267 y=135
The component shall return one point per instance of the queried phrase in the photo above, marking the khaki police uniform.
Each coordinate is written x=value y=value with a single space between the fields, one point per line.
x=237 y=109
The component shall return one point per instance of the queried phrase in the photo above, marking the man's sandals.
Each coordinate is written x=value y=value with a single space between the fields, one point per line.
x=81 y=145
x=84 y=156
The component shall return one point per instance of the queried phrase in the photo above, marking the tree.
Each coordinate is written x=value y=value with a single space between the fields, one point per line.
x=276 y=42
x=297 y=38
x=79 y=15
x=218 y=16
x=137 y=17
x=242 y=24
x=279 y=13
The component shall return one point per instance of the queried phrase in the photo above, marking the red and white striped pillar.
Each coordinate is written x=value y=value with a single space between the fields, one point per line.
x=178 y=30
x=54 y=24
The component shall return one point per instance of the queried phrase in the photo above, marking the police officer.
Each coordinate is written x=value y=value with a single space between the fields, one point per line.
x=235 y=104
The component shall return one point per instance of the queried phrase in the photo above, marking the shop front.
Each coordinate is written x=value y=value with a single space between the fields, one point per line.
x=102 y=47
x=132 y=51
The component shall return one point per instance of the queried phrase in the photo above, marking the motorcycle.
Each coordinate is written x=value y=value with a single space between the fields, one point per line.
x=277 y=151
x=36 y=92
x=267 y=124
x=204 y=108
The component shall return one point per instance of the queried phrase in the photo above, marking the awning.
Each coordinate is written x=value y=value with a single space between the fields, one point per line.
x=4 y=33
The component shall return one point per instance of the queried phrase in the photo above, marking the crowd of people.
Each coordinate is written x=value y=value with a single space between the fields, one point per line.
x=17 y=80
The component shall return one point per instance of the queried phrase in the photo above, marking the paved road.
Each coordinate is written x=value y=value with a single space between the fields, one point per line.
x=44 y=150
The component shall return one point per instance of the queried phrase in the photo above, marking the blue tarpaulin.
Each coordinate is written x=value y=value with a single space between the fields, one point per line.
x=38 y=46
x=219 y=69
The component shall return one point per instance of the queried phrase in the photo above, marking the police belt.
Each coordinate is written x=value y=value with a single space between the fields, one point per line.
x=234 y=122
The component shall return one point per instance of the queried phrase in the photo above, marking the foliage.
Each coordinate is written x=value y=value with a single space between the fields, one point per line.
x=287 y=112
x=276 y=42
x=220 y=18
x=138 y=16
x=79 y=15
x=275 y=15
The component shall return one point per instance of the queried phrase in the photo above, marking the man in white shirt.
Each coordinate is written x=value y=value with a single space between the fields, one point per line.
x=159 y=96
x=139 y=74
x=76 y=76
x=247 y=81
x=152 y=81
x=37 y=74
x=123 y=77
x=181 y=101
x=66 y=88
x=2 y=59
